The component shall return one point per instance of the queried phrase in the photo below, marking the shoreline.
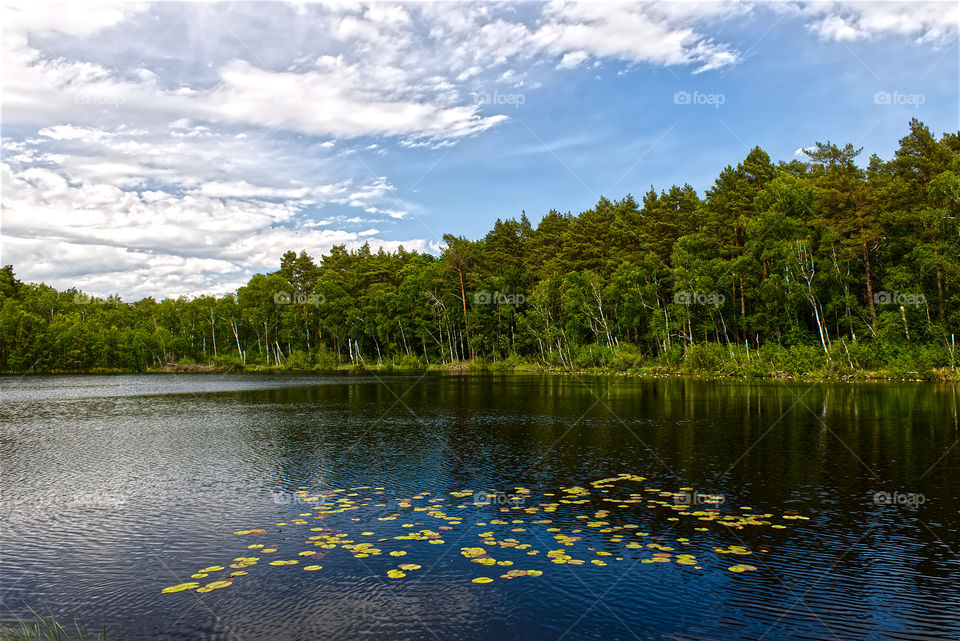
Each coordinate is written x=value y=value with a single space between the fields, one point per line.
x=941 y=375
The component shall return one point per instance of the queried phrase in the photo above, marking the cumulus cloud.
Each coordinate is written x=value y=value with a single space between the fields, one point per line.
x=349 y=102
x=143 y=243
x=72 y=18
x=924 y=22
x=145 y=213
x=661 y=34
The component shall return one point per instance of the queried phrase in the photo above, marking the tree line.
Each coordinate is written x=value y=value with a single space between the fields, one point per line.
x=816 y=263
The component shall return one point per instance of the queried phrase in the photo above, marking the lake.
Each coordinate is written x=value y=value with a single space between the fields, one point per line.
x=600 y=507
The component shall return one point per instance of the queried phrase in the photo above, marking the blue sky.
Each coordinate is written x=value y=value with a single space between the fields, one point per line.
x=176 y=148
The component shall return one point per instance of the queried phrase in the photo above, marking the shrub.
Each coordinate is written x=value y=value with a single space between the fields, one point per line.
x=707 y=358
x=297 y=360
x=229 y=363
x=405 y=362
x=625 y=357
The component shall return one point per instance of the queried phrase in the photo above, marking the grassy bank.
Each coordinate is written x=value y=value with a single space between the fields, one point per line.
x=841 y=362
x=46 y=629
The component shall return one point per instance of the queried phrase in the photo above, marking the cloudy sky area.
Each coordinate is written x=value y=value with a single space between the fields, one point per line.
x=169 y=148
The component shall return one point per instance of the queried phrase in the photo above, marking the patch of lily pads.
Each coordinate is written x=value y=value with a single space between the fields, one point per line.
x=523 y=529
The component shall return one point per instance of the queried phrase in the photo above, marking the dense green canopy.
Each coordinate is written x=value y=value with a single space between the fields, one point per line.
x=823 y=257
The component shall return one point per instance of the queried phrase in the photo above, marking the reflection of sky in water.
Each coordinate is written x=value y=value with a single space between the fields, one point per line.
x=116 y=487
x=106 y=387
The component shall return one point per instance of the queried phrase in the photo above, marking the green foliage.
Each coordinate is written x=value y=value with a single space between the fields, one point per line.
x=707 y=357
x=42 y=629
x=823 y=268
x=228 y=363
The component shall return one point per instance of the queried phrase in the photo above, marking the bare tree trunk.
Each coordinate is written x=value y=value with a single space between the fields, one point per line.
x=463 y=298
x=870 y=301
x=404 y=337
x=236 y=335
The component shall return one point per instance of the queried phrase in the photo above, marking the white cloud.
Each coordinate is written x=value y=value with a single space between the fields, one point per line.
x=69 y=132
x=923 y=22
x=89 y=215
x=396 y=214
x=243 y=189
x=73 y=18
x=572 y=59
x=348 y=103
x=148 y=243
x=660 y=34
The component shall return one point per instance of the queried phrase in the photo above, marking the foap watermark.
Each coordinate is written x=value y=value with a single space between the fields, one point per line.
x=99 y=99
x=698 y=298
x=899 y=298
x=499 y=298
x=496 y=98
x=911 y=499
x=685 y=497
x=296 y=498
x=484 y=497
x=697 y=98
x=897 y=98
x=299 y=298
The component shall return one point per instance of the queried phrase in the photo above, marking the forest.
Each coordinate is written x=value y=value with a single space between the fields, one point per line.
x=832 y=266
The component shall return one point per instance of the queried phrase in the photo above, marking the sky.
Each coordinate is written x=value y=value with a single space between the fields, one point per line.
x=176 y=148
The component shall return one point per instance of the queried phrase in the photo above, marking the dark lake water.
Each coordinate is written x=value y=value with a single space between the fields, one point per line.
x=841 y=501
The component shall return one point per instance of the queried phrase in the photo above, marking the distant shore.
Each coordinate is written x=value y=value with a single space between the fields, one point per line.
x=651 y=371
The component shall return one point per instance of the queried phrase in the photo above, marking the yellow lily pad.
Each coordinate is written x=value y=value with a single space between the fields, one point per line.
x=216 y=585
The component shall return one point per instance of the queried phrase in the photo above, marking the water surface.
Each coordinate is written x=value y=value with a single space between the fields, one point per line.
x=115 y=487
